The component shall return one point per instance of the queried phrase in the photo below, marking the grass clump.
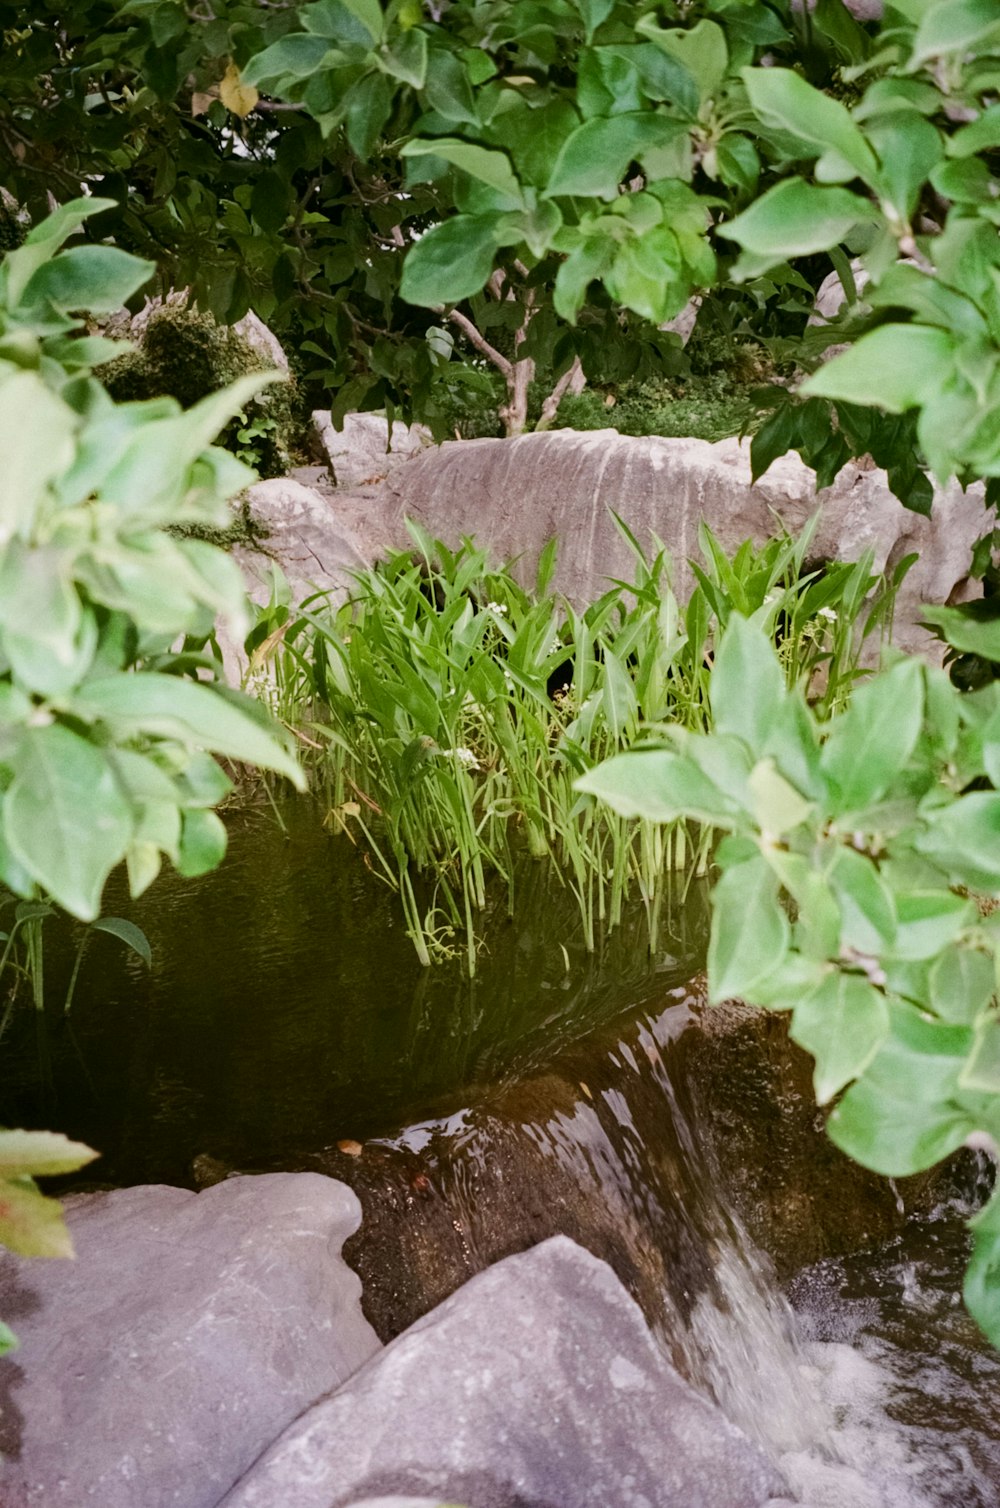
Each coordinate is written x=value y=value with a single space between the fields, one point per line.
x=449 y=711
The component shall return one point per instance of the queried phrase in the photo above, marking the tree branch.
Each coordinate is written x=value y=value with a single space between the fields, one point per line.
x=480 y=342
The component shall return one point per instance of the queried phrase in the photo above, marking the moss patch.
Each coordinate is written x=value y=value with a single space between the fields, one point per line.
x=186 y=355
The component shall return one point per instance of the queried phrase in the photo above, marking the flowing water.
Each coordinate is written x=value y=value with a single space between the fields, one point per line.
x=286 y=1024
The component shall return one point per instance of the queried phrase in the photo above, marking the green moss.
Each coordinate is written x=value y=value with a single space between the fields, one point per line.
x=186 y=355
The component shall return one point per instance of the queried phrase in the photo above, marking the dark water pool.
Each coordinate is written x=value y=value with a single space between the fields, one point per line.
x=286 y=1009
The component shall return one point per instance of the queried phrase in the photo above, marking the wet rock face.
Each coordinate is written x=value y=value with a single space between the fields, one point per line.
x=635 y=1147
x=537 y=1385
x=190 y=1329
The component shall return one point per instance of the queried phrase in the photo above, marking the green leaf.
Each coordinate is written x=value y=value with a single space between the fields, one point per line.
x=842 y=1024
x=701 y=49
x=778 y=807
x=962 y=983
x=297 y=56
x=794 y=219
x=870 y=744
x=405 y=58
x=981 y=1289
x=31 y=1224
x=895 y=368
x=127 y=932
x=904 y=1115
x=489 y=167
x=594 y=158
x=148 y=704
x=930 y=921
x=271 y=201
x=203 y=843
x=868 y=915
x=747 y=686
x=41 y=1154
x=8 y=1340
x=448 y=90
x=43 y=242
x=451 y=261
x=750 y=931
x=981 y=1071
x=784 y=101
x=593 y=13
x=965 y=627
x=955 y=26
x=660 y=786
x=98 y=279
x=367 y=107
x=37 y=442
x=65 y=817
x=964 y=839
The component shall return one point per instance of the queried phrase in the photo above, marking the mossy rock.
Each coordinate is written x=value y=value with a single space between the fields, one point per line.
x=184 y=354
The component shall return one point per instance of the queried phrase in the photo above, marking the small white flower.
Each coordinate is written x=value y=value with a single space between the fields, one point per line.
x=463 y=756
x=497 y=607
x=829 y=613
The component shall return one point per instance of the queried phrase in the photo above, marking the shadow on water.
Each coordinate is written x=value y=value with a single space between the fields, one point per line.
x=287 y=1024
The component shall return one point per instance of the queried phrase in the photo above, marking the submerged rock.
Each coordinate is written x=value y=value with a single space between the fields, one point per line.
x=537 y=1385
x=189 y=1331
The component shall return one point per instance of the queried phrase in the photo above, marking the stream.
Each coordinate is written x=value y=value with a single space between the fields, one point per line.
x=286 y=1024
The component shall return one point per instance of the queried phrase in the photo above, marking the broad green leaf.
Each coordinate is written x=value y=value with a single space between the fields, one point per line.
x=895 y=368
x=868 y=915
x=618 y=699
x=65 y=818
x=448 y=90
x=43 y=242
x=37 y=444
x=593 y=13
x=785 y=101
x=367 y=106
x=747 y=686
x=905 y=1115
x=982 y=134
x=794 y=219
x=981 y=1288
x=908 y=148
x=842 y=1024
x=203 y=843
x=41 y=1154
x=30 y=1223
x=929 y=921
x=297 y=56
x=596 y=155
x=778 y=807
x=405 y=58
x=198 y=716
x=700 y=48
x=981 y=1072
x=127 y=932
x=962 y=984
x=489 y=167
x=956 y=26
x=870 y=744
x=966 y=628
x=750 y=931
x=451 y=261
x=98 y=279
x=658 y=785
x=8 y=1340
x=964 y=838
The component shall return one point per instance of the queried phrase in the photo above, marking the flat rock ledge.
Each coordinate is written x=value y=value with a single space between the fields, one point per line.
x=513 y=496
x=189 y=1331
x=536 y=1385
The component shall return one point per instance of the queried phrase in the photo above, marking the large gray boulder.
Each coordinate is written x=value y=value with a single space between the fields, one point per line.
x=189 y=1331
x=537 y=1385
x=514 y=495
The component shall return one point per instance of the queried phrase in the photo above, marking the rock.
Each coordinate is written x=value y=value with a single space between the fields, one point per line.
x=251 y=327
x=537 y=1385
x=361 y=451
x=305 y=534
x=514 y=495
x=190 y=1330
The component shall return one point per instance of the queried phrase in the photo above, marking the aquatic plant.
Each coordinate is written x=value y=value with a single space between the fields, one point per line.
x=449 y=711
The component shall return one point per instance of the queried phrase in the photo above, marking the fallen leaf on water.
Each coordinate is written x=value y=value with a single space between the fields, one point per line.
x=351 y=1148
